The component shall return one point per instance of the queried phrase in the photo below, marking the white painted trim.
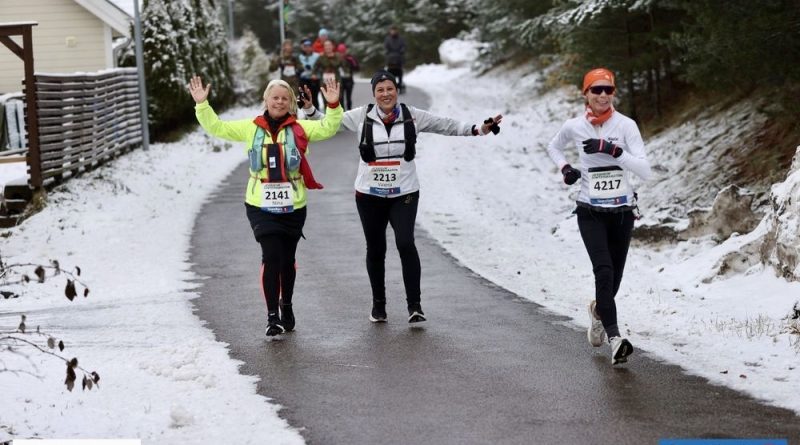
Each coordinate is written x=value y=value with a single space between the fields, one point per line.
x=114 y=17
x=109 y=47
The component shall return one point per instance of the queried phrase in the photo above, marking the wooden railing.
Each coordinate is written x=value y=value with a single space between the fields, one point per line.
x=84 y=120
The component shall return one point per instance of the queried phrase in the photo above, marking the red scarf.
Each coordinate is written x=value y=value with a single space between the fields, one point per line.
x=391 y=117
x=301 y=140
x=601 y=119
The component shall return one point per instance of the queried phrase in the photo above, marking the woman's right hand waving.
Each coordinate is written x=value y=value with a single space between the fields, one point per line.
x=199 y=94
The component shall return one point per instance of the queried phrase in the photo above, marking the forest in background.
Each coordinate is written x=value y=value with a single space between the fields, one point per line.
x=673 y=58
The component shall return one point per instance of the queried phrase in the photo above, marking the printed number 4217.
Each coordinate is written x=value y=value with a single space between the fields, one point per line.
x=607 y=185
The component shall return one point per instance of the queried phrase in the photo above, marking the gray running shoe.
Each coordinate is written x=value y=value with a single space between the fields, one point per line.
x=596 y=333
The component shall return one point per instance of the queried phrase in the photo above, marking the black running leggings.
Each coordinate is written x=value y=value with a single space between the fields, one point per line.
x=278 y=269
x=606 y=236
x=401 y=213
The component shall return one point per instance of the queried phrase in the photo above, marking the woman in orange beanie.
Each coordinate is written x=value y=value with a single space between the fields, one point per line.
x=610 y=148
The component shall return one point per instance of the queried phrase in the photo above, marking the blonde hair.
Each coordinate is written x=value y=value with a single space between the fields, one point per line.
x=282 y=83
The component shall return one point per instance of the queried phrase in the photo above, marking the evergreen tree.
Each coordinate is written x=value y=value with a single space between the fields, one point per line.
x=179 y=42
x=209 y=50
x=261 y=18
x=308 y=16
x=251 y=68
x=740 y=44
x=163 y=66
x=630 y=38
x=515 y=26
x=364 y=24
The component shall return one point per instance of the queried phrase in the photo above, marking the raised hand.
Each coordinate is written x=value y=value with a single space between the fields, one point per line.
x=492 y=124
x=198 y=92
x=330 y=91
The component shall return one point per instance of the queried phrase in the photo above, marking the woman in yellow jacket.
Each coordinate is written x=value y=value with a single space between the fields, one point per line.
x=280 y=174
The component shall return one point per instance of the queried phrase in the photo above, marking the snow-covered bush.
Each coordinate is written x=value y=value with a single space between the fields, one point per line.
x=250 y=68
x=181 y=39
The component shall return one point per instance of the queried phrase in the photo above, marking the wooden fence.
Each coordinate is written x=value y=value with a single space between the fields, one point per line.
x=84 y=120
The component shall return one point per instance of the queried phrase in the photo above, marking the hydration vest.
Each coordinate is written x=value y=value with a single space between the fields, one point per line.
x=367 y=145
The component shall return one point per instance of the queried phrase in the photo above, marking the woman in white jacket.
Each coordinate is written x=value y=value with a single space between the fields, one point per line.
x=609 y=148
x=387 y=188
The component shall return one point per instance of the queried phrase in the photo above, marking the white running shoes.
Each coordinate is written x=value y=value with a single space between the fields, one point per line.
x=621 y=348
x=596 y=333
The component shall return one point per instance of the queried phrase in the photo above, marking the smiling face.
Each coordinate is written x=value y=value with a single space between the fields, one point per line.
x=328 y=48
x=386 y=95
x=279 y=101
x=599 y=103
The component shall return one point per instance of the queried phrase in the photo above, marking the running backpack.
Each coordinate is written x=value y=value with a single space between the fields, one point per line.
x=367 y=145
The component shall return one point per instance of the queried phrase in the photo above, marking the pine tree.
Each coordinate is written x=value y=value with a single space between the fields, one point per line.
x=178 y=43
x=738 y=44
x=163 y=66
x=251 y=67
x=209 y=49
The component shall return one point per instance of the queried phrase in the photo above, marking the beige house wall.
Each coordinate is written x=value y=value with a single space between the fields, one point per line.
x=67 y=39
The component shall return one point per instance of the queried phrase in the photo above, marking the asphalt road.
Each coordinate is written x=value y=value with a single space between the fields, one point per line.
x=488 y=366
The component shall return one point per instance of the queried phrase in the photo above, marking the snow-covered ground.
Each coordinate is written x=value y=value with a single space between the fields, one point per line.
x=500 y=208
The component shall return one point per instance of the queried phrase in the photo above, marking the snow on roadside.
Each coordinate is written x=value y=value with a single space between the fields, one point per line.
x=164 y=378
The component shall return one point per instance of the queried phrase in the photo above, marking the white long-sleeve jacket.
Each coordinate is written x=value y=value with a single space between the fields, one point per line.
x=391 y=175
x=605 y=180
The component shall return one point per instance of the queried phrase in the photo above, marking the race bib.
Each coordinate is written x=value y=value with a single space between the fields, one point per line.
x=328 y=76
x=384 y=177
x=608 y=186
x=289 y=71
x=277 y=197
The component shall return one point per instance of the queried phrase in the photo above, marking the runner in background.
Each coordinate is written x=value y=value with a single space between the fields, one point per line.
x=307 y=77
x=347 y=72
x=319 y=43
x=395 y=47
x=288 y=64
x=329 y=64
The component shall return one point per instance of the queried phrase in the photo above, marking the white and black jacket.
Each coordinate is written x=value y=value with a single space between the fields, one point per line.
x=391 y=146
x=620 y=130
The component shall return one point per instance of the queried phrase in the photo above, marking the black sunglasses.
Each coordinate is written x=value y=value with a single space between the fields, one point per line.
x=608 y=89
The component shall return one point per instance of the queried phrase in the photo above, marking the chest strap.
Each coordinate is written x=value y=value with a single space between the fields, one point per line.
x=367 y=145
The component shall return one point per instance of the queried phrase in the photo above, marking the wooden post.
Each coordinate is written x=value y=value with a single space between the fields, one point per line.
x=34 y=156
x=32 y=119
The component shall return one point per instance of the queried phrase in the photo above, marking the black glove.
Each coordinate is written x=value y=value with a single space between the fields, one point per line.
x=300 y=96
x=601 y=146
x=571 y=175
x=495 y=128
